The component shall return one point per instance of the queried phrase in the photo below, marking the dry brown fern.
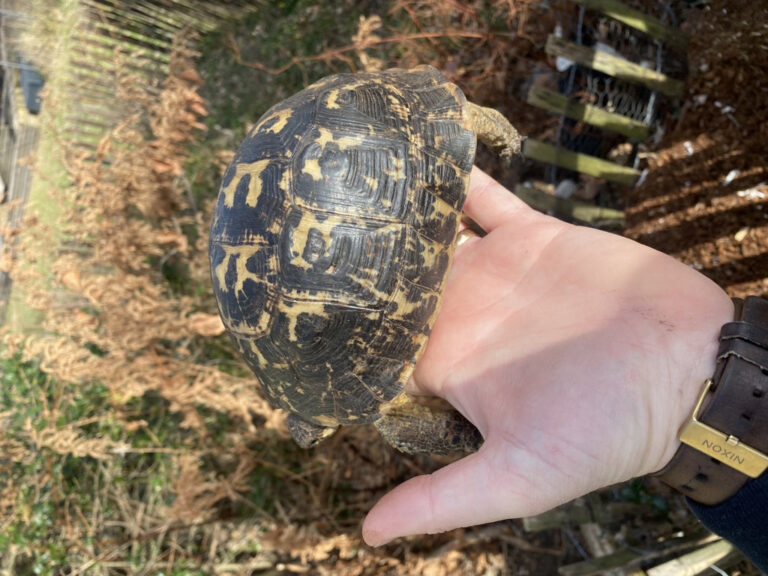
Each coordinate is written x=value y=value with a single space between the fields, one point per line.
x=111 y=314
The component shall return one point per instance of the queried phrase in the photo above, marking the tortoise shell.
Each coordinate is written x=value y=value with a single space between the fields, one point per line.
x=333 y=235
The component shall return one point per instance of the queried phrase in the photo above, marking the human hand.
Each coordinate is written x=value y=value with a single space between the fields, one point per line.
x=578 y=354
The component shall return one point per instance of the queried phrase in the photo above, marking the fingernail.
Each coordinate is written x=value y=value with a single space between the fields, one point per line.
x=374 y=538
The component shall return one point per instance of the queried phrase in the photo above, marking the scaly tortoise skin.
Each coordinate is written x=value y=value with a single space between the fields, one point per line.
x=332 y=238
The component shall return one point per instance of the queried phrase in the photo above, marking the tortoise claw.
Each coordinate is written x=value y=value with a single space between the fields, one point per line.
x=306 y=434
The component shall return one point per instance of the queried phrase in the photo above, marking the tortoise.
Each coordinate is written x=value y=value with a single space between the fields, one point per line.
x=332 y=237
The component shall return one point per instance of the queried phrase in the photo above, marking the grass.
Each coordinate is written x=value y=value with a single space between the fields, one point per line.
x=104 y=492
x=36 y=479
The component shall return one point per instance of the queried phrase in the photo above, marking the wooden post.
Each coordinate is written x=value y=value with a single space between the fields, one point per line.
x=111 y=44
x=120 y=14
x=561 y=104
x=694 y=562
x=614 y=66
x=568 y=209
x=140 y=40
x=632 y=559
x=620 y=559
x=79 y=84
x=578 y=512
x=100 y=123
x=178 y=18
x=543 y=152
x=638 y=20
x=205 y=14
x=99 y=59
x=84 y=74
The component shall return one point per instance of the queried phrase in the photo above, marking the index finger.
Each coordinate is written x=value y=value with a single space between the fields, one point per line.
x=489 y=203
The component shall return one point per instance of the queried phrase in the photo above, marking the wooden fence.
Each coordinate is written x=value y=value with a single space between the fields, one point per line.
x=17 y=142
x=108 y=39
x=114 y=37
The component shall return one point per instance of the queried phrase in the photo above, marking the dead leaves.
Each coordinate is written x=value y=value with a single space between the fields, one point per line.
x=111 y=315
x=174 y=238
x=69 y=440
x=368 y=30
x=71 y=280
x=198 y=492
x=206 y=324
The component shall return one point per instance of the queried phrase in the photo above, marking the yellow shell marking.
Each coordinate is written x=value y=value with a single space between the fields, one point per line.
x=330 y=102
x=396 y=106
x=403 y=309
x=300 y=237
x=343 y=142
x=443 y=210
x=312 y=167
x=398 y=170
x=254 y=186
x=221 y=270
x=348 y=142
x=280 y=119
x=241 y=253
x=430 y=251
x=292 y=313
x=325 y=137
x=263 y=361
x=324 y=227
x=310 y=221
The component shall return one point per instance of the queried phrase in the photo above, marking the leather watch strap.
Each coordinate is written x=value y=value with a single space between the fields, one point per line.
x=736 y=404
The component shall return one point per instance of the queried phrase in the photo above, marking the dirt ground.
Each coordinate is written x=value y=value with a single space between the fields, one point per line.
x=704 y=199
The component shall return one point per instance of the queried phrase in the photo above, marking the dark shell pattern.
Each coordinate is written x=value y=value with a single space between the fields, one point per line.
x=333 y=235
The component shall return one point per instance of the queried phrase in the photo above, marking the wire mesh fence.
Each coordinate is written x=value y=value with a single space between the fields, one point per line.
x=618 y=67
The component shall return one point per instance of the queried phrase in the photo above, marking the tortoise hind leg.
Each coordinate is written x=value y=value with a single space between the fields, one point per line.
x=306 y=434
x=415 y=429
x=495 y=131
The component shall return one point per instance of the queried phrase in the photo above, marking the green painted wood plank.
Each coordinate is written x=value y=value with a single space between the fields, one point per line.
x=597 y=167
x=569 y=209
x=614 y=66
x=694 y=562
x=637 y=20
x=600 y=565
x=561 y=104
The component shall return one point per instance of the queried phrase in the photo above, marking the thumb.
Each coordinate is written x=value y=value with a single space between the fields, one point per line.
x=465 y=493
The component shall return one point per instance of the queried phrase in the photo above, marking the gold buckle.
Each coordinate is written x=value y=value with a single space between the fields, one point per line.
x=723 y=447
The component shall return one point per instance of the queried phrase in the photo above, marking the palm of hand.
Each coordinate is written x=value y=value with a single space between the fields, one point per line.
x=570 y=350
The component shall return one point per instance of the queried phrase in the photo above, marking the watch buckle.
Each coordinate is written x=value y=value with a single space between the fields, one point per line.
x=725 y=448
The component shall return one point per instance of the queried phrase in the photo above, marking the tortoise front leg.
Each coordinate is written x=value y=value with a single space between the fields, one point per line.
x=437 y=429
x=495 y=131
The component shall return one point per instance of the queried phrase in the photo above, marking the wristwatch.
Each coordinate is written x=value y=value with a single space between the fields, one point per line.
x=725 y=441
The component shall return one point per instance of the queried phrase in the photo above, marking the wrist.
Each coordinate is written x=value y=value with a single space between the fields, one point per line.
x=696 y=359
x=724 y=440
